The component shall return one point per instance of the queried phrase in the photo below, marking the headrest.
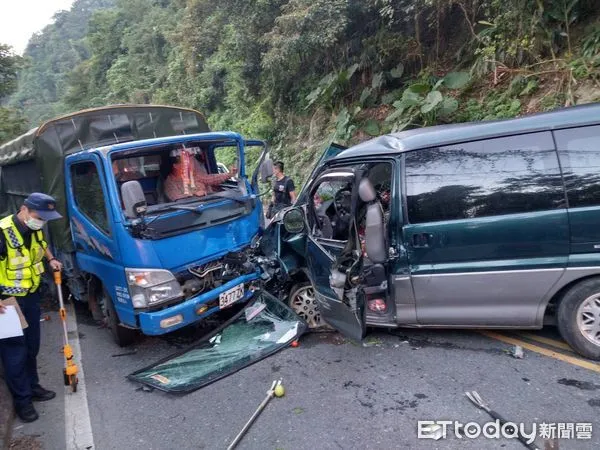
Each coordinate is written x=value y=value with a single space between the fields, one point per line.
x=366 y=191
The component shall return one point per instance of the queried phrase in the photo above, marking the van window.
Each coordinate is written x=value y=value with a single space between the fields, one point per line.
x=89 y=197
x=579 y=152
x=510 y=175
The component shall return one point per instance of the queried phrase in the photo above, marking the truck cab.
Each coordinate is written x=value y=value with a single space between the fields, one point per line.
x=147 y=254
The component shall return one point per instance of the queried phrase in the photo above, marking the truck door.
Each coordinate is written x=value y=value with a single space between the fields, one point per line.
x=92 y=226
x=333 y=260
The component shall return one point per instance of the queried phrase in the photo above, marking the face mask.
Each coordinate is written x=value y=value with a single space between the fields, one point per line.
x=35 y=224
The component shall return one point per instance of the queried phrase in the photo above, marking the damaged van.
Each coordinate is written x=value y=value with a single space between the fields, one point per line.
x=161 y=220
x=487 y=225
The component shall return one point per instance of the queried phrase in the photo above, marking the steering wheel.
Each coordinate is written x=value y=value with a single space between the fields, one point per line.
x=342 y=202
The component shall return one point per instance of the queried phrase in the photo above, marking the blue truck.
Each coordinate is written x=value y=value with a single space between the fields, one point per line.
x=142 y=261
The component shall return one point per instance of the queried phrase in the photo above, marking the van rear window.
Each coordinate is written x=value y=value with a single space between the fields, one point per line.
x=510 y=175
x=579 y=152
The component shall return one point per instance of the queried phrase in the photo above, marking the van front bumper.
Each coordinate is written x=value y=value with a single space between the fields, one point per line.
x=153 y=323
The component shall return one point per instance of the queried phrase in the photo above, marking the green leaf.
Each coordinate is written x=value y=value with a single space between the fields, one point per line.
x=388 y=98
x=433 y=99
x=410 y=98
x=372 y=127
x=366 y=93
x=401 y=126
x=456 y=80
x=419 y=88
x=532 y=85
x=313 y=96
x=397 y=71
x=377 y=80
x=448 y=106
x=352 y=69
x=393 y=116
x=485 y=22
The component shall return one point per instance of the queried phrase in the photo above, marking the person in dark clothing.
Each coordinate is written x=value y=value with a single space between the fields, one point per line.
x=22 y=249
x=284 y=191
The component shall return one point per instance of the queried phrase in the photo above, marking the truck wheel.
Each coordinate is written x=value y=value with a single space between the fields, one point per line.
x=122 y=336
x=579 y=318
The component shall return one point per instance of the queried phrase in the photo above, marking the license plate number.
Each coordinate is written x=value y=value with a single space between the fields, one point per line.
x=231 y=296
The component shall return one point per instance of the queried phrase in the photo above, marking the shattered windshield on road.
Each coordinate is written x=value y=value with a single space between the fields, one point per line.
x=265 y=326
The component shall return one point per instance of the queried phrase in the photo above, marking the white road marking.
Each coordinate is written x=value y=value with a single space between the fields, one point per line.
x=78 y=426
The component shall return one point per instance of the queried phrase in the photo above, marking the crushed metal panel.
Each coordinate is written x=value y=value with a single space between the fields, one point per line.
x=264 y=327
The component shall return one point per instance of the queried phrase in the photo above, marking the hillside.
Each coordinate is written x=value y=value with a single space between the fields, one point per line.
x=301 y=72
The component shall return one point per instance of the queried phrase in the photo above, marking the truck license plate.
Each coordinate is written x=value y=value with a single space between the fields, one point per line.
x=231 y=296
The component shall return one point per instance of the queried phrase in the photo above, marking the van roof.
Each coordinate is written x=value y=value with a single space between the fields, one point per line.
x=436 y=136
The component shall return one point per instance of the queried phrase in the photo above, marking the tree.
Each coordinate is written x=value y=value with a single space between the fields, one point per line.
x=9 y=65
x=11 y=122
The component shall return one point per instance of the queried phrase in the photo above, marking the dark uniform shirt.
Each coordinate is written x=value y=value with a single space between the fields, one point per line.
x=282 y=189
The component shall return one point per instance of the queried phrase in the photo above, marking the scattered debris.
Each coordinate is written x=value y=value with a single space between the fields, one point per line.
x=145 y=388
x=373 y=341
x=518 y=352
x=298 y=411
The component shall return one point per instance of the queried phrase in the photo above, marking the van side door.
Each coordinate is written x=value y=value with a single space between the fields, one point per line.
x=487 y=232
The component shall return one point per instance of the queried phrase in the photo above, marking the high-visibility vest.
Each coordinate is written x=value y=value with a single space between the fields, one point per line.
x=21 y=271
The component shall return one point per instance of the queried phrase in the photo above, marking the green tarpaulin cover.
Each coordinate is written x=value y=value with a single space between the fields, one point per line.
x=35 y=160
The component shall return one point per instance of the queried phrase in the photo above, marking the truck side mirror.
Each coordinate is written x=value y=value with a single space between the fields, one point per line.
x=266 y=170
x=134 y=199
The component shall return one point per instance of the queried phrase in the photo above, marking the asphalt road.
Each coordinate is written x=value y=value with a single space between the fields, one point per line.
x=338 y=394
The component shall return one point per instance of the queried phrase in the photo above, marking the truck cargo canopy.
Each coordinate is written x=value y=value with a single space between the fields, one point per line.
x=48 y=145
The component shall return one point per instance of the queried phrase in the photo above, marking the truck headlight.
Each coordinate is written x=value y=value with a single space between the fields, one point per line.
x=150 y=287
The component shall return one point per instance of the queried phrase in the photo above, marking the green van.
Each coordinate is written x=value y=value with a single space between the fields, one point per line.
x=478 y=225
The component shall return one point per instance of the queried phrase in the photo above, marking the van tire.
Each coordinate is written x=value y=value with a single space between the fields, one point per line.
x=122 y=336
x=312 y=316
x=567 y=317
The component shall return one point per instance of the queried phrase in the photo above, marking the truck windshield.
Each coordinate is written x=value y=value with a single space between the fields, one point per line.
x=184 y=179
x=181 y=174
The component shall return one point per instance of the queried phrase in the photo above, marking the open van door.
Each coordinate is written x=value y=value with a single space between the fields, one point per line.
x=331 y=151
x=333 y=256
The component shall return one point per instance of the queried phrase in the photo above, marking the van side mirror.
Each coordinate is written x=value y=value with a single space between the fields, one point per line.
x=134 y=199
x=293 y=221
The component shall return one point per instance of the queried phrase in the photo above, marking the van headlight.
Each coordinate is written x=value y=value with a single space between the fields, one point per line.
x=150 y=287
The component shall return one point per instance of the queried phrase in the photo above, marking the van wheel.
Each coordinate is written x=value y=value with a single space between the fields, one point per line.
x=122 y=336
x=579 y=318
x=303 y=302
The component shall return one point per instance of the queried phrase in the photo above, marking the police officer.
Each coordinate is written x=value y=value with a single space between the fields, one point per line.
x=22 y=249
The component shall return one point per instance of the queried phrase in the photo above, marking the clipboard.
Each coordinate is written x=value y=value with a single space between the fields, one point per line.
x=13 y=301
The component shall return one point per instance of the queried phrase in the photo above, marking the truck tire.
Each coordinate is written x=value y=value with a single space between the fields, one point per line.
x=122 y=336
x=579 y=318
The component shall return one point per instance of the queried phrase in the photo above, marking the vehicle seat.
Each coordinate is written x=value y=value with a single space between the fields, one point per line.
x=375 y=239
x=375 y=233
